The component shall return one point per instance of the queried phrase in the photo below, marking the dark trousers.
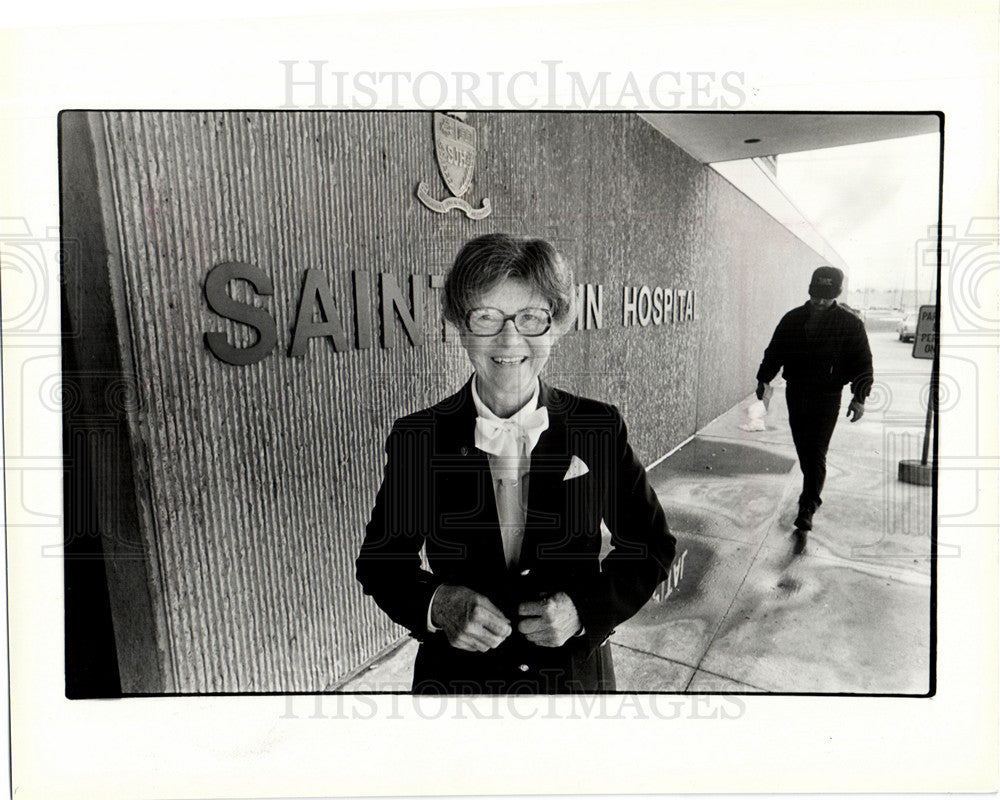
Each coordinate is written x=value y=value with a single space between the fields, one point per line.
x=812 y=415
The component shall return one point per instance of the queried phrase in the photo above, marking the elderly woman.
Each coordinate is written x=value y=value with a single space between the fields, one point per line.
x=505 y=485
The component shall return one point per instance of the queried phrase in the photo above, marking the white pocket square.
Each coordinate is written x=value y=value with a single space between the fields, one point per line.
x=576 y=469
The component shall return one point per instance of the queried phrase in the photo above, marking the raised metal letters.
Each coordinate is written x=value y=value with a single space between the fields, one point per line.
x=222 y=303
x=642 y=305
x=318 y=315
x=455 y=147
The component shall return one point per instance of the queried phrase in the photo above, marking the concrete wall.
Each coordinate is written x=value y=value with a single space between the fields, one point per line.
x=250 y=485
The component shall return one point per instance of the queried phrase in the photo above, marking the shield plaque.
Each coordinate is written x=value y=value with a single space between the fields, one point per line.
x=455 y=146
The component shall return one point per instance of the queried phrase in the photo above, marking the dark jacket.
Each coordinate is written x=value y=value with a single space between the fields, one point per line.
x=437 y=492
x=836 y=353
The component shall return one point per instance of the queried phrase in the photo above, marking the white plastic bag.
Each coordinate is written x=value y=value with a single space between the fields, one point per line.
x=755 y=417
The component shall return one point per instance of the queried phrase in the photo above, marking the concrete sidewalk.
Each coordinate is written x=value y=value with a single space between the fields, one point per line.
x=751 y=610
x=747 y=608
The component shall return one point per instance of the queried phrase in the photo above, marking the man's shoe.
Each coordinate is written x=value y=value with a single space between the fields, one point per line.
x=804 y=521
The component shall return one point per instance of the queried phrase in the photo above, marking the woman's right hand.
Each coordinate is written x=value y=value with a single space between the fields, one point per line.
x=469 y=620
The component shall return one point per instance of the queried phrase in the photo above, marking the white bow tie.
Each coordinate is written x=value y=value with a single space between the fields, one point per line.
x=507 y=437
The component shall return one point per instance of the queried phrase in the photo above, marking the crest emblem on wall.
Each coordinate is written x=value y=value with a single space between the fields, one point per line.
x=455 y=148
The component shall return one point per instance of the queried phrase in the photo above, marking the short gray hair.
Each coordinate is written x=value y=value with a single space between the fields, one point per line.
x=487 y=261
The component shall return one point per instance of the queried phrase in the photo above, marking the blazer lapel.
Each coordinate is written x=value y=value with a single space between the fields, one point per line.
x=469 y=502
x=549 y=461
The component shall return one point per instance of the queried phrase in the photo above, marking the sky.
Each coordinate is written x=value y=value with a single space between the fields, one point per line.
x=873 y=203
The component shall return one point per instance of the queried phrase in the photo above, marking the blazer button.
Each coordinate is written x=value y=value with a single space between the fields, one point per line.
x=464 y=451
x=524 y=667
x=525 y=573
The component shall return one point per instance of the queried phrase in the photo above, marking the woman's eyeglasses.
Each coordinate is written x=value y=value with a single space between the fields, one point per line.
x=490 y=321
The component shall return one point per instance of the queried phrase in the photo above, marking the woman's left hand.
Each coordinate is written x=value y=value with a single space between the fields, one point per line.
x=549 y=622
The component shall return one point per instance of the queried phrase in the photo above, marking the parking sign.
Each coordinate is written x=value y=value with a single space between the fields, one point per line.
x=925 y=339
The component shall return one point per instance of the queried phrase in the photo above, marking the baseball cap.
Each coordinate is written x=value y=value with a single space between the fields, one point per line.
x=826 y=282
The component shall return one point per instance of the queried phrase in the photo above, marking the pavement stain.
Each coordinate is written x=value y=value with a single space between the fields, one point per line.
x=724 y=458
x=806 y=625
x=714 y=507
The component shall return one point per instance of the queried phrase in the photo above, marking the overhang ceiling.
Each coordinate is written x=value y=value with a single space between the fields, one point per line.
x=714 y=137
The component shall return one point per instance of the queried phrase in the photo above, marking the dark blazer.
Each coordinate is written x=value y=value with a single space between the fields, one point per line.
x=437 y=493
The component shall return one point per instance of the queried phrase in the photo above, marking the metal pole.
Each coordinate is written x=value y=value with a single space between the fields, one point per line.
x=931 y=406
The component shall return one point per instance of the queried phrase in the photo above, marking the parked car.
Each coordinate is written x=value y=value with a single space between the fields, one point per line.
x=907 y=329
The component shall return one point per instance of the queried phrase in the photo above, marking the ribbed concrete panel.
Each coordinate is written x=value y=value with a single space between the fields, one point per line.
x=758 y=270
x=260 y=478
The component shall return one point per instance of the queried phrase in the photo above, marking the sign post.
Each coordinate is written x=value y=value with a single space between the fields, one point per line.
x=924 y=346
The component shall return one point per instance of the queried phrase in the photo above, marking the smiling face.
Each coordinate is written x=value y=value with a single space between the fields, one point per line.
x=508 y=364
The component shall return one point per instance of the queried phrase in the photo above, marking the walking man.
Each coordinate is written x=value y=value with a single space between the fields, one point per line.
x=821 y=346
